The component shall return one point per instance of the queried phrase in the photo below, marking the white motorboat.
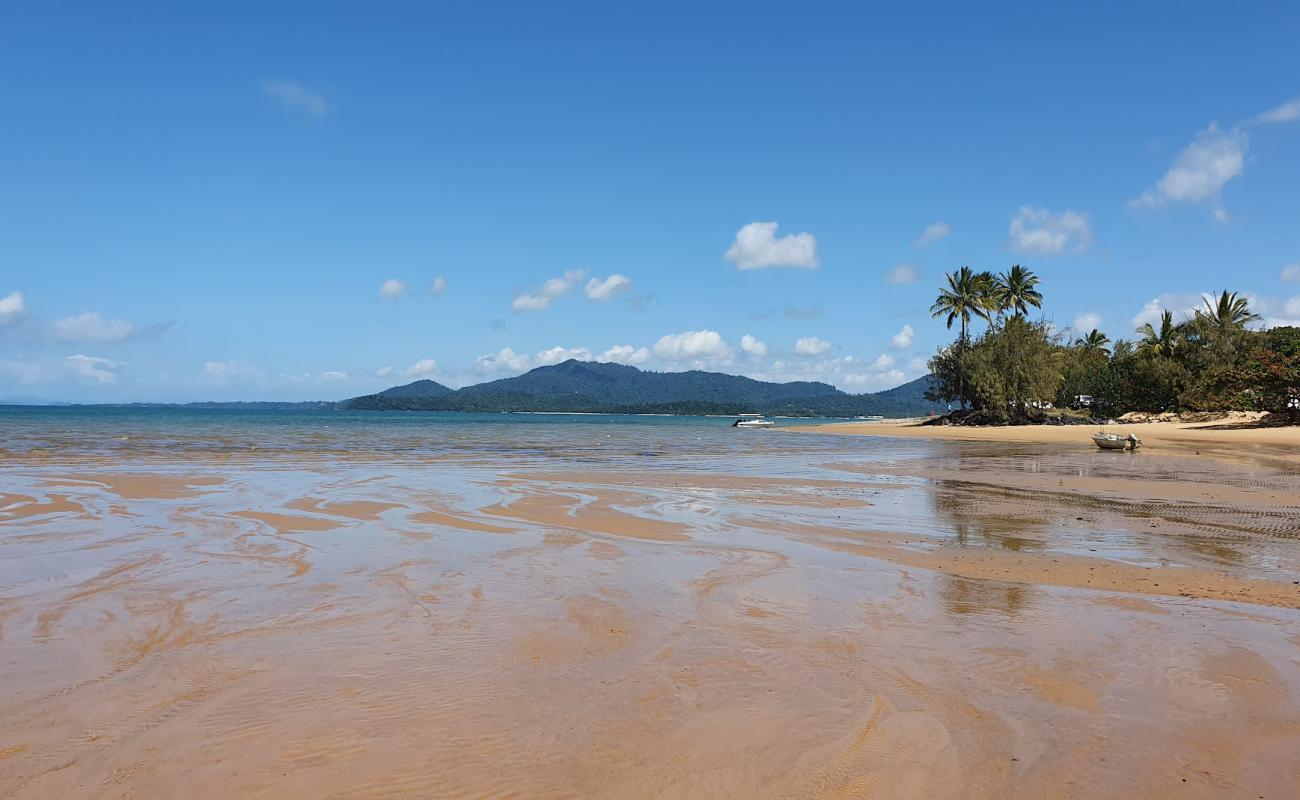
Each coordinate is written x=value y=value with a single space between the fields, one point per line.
x=752 y=421
x=1113 y=441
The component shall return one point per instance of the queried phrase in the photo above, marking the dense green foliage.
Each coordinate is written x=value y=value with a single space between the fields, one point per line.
x=1210 y=362
x=583 y=386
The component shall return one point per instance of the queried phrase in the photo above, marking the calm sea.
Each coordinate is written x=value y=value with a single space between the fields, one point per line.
x=70 y=433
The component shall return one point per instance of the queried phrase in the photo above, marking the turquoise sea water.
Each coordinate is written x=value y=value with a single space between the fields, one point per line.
x=156 y=433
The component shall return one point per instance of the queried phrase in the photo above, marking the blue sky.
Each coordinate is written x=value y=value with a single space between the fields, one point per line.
x=254 y=201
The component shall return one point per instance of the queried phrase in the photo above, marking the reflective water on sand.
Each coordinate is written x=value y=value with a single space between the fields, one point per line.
x=614 y=609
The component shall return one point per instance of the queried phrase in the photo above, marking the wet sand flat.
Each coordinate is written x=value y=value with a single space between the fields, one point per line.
x=758 y=615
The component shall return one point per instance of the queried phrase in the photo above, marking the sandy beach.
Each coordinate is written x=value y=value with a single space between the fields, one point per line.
x=673 y=614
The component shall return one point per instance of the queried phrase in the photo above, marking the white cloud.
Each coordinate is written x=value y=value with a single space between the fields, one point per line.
x=753 y=346
x=757 y=247
x=384 y=372
x=552 y=289
x=811 y=346
x=932 y=233
x=103 y=370
x=90 y=327
x=1200 y=171
x=503 y=361
x=902 y=274
x=223 y=371
x=1038 y=231
x=598 y=289
x=1087 y=321
x=557 y=354
x=847 y=372
x=626 y=354
x=1291 y=273
x=293 y=95
x=392 y=288
x=1184 y=307
x=903 y=339
x=1287 y=112
x=334 y=376
x=439 y=286
x=694 y=346
x=1292 y=307
x=12 y=306
x=420 y=369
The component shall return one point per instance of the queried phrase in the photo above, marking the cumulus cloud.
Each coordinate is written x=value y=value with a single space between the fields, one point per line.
x=334 y=376
x=757 y=247
x=90 y=327
x=554 y=288
x=555 y=355
x=420 y=369
x=932 y=233
x=439 y=286
x=392 y=288
x=384 y=372
x=847 y=372
x=1291 y=273
x=695 y=346
x=1184 y=307
x=811 y=346
x=1037 y=231
x=1086 y=322
x=607 y=288
x=12 y=307
x=1201 y=171
x=626 y=354
x=901 y=274
x=753 y=346
x=293 y=95
x=903 y=339
x=103 y=370
x=505 y=360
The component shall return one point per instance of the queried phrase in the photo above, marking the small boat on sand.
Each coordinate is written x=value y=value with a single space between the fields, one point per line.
x=1113 y=441
x=752 y=421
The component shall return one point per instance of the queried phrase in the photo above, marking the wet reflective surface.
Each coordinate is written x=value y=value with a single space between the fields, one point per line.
x=616 y=608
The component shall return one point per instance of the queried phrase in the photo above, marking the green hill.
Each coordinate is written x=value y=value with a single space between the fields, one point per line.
x=585 y=386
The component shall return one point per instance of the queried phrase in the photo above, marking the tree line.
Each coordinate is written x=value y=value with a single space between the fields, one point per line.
x=1218 y=359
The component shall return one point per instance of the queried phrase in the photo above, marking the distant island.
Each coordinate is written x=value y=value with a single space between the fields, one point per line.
x=595 y=387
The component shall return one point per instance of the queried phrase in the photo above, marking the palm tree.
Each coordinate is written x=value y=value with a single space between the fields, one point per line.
x=1014 y=291
x=1161 y=343
x=968 y=294
x=1229 y=312
x=1094 y=342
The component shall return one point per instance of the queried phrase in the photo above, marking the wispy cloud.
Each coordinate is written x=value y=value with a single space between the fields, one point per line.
x=439 y=286
x=103 y=370
x=1037 y=231
x=392 y=288
x=12 y=307
x=293 y=95
x=932 y=233
x=541 y=299
x=758 y=247
x=607 y=288
x=90 y=327
x=1291 y=273
x=1210 y=162
x=902 y=274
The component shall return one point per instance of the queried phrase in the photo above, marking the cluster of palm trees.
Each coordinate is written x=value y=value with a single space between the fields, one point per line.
x=984 y=295
x=1228 y=313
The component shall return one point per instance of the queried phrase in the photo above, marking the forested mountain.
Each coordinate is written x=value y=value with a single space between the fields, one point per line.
x=584 y=386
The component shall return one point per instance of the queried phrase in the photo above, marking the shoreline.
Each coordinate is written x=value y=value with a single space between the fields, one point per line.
x=1152 y=434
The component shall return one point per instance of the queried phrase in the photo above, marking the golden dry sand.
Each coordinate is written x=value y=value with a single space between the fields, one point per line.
x=905 y=618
